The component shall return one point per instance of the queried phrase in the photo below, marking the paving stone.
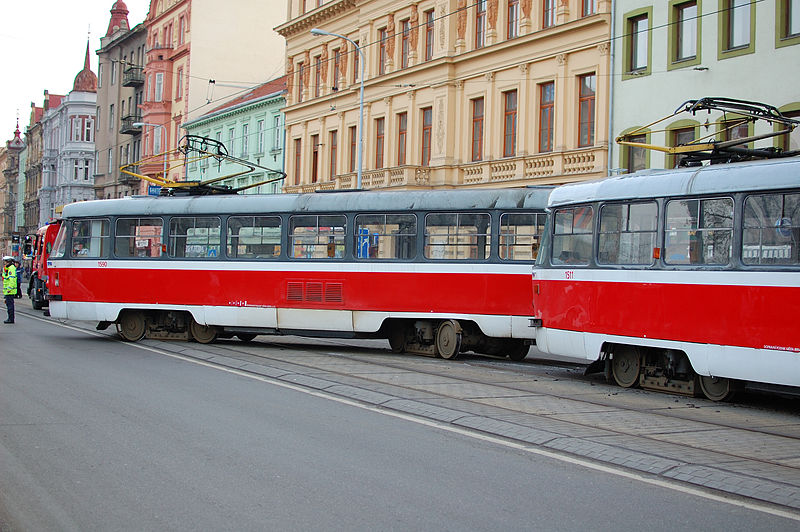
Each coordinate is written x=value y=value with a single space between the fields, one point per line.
x=633 y=422
x=305 y=380
x=468 y=390
x=505 y=429
x=614 y=455
x=543 y=404
x=425 y=410
x=738 y=443
x=644 y=444
x=360 y=394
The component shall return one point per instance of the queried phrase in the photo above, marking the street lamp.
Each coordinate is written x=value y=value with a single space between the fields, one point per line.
x=140 y=124
x=317 y=31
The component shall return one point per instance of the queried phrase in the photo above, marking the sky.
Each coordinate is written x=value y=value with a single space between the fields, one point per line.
x=44 y=46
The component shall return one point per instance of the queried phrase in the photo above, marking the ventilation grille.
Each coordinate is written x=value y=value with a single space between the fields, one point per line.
x=314 y=292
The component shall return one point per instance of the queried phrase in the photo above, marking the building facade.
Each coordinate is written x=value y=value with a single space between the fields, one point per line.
x=199 y=53
x=33 y=169
x=669 y=52
x=9 y=165
x=68 y=160
x=488 y=93
x=251 y=129
x=120 y=93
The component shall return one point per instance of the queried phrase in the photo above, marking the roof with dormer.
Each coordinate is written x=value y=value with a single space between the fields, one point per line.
x=86 y=80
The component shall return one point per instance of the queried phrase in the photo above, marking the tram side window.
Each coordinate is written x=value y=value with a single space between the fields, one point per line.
x=520 y=235
x=138 y=237
x=254 y=237
x=60 y=243
x=699 y=231
x=386 y=236
x=627 y=233
x=458 y=236
x=90 y=238
x=572 y=235
x=196 y=237
x=771 y=229
x=317 y=236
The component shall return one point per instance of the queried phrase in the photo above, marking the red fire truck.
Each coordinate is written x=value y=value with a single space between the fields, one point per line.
x=43 y=244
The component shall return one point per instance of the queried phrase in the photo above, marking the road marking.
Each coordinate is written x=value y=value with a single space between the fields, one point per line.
x=526 y=447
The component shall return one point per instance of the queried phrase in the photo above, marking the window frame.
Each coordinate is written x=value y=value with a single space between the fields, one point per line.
x=510 y=108
x=546 y=115
x=676 y=8
x=784 y=16
x=697 y=229
x=373 y=255
x=631 y=44
x=478 y=113
x=726 y=49
x=587 y=120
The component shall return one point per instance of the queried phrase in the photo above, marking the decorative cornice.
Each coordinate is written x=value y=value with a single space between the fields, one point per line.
x=309 y=20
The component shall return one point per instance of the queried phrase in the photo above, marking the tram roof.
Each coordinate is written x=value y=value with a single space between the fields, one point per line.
x=773 y=174
x=345 y=201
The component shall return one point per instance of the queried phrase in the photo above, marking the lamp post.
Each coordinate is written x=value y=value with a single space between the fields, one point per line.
x=317 y=31
x=140 y=124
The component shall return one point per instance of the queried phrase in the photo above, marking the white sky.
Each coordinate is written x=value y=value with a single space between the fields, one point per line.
x=44 y=45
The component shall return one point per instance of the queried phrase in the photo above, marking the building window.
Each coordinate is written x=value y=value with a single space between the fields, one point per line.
x=181 y=30
x=100 y=75
x=337 y=69
x=333 y=152
x=586 y=109
x=635 y=156
x=427 y=124
x=301 y=67
x=260 y=136
x=245 y=139
x=429 y=35
x=179 y=85
x=685 y=31
x=88 y=126
x=738 y=23
x=402 y=130
x=379 y=137
x=276 y=132
x=680 y=137
x=547 y=98
x=231 y=140
x=356 y=63
x=405 y=44
x=638 y=43
x=588 y=7
x=509 y=123
x=789 y=141
x=298 y=146
x=113 y=72
x=314 y=158
x=477 y=129
x=512 y=19
x=110 y=161
x=317 y=75
x=353 y=148
x=480 y=23
x=548 y=13
x=788 y=23
x=159 y=86
x=111 y=116
x=382 y=51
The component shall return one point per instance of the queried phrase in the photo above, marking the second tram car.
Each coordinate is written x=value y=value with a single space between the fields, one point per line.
x=436 y=272
x=676 y=280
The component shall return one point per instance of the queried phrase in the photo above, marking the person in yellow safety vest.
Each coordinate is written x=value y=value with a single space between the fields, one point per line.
x=9 y=286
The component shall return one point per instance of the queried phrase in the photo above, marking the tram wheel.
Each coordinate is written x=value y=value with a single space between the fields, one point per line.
x=246 y=337
x=131 y=325
x=717 y=388
x=397 y=339
x=517 y=350
x=448 y=339
x=203 y=334
x=625 y=366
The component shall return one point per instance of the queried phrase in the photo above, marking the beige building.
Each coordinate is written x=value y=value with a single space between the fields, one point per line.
x=494 y=93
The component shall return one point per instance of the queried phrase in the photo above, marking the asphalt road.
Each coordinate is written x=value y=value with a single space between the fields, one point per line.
x=96 y=434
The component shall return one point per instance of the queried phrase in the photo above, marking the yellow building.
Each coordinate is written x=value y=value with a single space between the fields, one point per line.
x=480 y=93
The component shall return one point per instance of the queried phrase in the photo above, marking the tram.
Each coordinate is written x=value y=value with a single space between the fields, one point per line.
x=436 y=272
x=684 y=280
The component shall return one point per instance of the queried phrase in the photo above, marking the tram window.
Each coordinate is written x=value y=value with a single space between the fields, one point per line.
x=138 y=237
x=254 y=237
x=519 y=235
x=386 y=236
x=572 y=235
x=458 y=236
x=627 y=233
x=196 y=237
x=317 y=236
x=699 y=231
x=90 y=238
x=60 y=243
x=771 y=229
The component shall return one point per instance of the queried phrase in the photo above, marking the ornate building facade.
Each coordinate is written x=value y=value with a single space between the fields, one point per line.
x=33 y=168
x=120 y=92
x=488 y=93
x=9 y=165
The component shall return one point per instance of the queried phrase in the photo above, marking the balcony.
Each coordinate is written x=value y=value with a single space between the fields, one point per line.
x=133 y=76
x=128 y=127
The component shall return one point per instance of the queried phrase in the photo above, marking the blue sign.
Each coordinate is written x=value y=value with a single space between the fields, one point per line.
x=363 y=243
x=153 y=190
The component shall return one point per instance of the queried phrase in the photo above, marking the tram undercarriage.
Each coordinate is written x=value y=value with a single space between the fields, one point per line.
x=665 y=370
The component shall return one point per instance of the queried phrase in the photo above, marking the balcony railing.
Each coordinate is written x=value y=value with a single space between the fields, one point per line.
x=133 y=76
x=128 y=127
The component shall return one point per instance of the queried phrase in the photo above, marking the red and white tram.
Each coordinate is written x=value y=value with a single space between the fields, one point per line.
x=676 y=279
x=436 y=272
